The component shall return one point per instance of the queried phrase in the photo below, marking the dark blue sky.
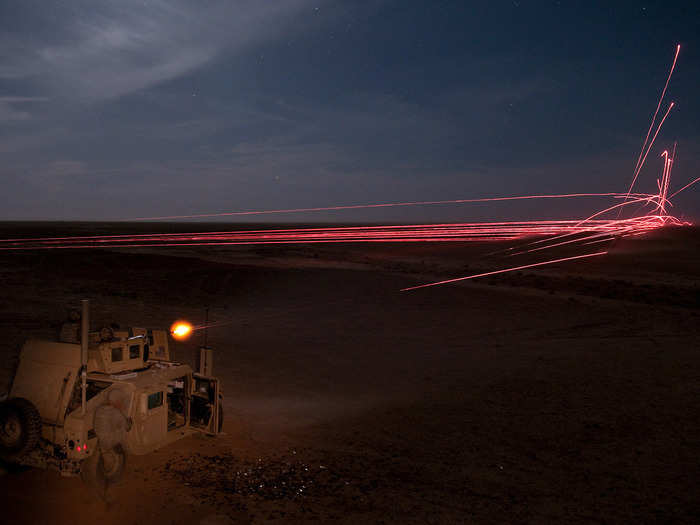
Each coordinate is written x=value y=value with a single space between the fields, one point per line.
x=142 y=108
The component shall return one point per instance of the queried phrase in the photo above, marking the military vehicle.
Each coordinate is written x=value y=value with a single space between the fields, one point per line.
x=82 y=408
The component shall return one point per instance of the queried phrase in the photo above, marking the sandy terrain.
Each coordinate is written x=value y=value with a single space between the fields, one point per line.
x=568 y=394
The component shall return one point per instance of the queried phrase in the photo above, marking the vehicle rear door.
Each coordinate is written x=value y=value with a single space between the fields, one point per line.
x=205 y=404
x=152 y=417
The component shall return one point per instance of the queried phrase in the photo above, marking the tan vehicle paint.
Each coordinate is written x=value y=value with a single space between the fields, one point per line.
x=161 y=400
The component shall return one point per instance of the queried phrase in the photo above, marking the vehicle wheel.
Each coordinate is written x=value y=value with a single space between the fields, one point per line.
x=20 y=428
x=111 y=464
x=221 y=418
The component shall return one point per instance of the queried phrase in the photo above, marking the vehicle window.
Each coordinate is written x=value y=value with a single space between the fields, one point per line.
x=134 y=351
x=155 y=400
x=93 y=388
x=117 y=354
x=206 y=387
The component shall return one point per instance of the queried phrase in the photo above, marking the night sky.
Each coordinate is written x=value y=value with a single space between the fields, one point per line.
x=112 y=110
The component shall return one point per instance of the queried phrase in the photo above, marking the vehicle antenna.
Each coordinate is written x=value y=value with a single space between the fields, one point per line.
x=206 y=325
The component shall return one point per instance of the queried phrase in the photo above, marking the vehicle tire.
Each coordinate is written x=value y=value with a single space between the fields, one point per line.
x=221 y=418
x=20 y=428
x=111 y=465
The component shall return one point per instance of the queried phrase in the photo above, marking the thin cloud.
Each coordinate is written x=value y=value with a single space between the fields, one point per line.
x=9 y=111
x=22 y=99
x=110 y=49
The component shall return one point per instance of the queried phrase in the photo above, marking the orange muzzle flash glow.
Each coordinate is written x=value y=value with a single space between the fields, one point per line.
x=181 y=329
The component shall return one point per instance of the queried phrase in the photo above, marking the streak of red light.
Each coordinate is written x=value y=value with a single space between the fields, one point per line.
x=640 y=161
x=685 y=187
x=505 y=270
x=653 y=118
x=639 y=168
x=210 y=325
x=413 y=233
x=380 y=205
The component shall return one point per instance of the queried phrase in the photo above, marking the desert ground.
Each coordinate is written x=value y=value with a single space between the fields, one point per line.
x=563 y=394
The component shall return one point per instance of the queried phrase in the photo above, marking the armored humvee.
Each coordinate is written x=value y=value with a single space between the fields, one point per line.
x=81 y=408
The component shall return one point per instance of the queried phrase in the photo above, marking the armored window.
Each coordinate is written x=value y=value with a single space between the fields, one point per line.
x=117 y=354
x=134 y=351
x=94 y=388
x=155 y=400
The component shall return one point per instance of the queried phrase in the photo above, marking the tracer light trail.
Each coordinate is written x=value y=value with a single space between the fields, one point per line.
x=598 y=227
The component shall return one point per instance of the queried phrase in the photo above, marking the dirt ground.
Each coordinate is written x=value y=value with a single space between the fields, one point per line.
x=567 y=394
